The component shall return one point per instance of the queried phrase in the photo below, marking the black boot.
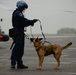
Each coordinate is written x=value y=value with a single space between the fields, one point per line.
x=22 y=67
x=13 y=66
x=13 y=63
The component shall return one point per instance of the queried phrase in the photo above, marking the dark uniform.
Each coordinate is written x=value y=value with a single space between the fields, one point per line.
x=19 y=22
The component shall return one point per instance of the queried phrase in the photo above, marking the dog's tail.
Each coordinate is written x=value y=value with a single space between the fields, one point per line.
x=69 y=44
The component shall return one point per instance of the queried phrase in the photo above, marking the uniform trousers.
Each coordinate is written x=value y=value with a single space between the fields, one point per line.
x=18 y=50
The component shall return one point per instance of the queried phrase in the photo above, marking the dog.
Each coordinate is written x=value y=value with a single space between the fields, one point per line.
x=45 y=50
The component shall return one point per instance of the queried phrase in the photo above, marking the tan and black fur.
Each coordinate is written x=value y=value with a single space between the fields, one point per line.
x=44 y=50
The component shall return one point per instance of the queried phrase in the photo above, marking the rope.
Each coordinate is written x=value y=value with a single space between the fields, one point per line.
x=31 y=31
x=41 y=32
x=40 y=28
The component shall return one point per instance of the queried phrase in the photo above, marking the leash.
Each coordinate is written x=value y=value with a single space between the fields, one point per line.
x=41 y=32
x=40 y=28
x=31 y=31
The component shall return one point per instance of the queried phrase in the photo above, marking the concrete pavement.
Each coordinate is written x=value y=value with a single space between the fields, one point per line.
x=30 y=58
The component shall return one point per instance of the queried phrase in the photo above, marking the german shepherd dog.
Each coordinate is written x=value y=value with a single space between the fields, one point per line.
x=45 y=50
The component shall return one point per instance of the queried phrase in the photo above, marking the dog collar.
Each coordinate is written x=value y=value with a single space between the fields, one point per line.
x=38 y=48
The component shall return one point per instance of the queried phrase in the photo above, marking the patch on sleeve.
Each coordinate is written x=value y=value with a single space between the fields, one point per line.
x=20 y=14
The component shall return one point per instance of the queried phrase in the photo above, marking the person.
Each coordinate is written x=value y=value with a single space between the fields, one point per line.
x=18 y=23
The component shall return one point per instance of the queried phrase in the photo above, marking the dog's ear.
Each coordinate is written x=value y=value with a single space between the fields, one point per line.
x=40 y=38
x=31 y=39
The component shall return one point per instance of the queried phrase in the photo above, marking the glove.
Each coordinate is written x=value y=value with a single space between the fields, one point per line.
x=32 y=24
x=35 y=20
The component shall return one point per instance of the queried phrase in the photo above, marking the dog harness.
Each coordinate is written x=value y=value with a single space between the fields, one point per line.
x=48 y=49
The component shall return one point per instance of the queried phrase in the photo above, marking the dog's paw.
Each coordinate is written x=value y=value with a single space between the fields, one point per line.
x=39 y=68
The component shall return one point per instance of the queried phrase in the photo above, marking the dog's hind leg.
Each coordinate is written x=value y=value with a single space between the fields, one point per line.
x=57 y=57
x=58 y=62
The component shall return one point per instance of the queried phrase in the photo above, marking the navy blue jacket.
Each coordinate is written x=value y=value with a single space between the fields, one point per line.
x=19 y=21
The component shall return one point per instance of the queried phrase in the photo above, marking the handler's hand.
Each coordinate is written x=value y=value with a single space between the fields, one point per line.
x=35 y=20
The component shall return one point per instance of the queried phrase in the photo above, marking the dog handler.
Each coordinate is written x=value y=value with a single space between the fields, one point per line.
x=18 y=23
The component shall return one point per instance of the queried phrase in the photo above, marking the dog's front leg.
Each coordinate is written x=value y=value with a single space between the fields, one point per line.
x=41 y=58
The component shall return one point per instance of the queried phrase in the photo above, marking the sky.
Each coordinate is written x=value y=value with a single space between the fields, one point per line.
x=53 y=14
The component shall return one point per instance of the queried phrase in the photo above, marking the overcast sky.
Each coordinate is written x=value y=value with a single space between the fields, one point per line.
x=54 y=14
